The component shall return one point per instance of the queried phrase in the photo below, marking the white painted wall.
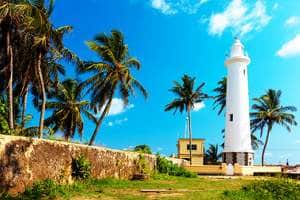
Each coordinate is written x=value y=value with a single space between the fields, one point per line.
x=237 y=132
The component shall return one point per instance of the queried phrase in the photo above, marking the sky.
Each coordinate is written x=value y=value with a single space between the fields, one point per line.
x=176 y=37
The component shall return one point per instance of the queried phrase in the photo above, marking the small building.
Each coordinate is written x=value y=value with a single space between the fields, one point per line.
x=183 y=148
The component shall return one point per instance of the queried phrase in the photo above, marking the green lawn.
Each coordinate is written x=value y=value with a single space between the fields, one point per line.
x=178 y=188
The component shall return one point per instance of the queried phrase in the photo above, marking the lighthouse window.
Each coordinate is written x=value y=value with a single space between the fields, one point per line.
x=231 y=117
x=244 y=72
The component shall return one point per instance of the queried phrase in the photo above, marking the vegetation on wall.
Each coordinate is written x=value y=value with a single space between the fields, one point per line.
x=81 y=168
x=165 y=166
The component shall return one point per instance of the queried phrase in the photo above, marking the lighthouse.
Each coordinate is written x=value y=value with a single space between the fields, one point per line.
x=237 y=147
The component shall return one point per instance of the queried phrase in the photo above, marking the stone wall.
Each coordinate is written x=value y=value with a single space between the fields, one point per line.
x=26 y=160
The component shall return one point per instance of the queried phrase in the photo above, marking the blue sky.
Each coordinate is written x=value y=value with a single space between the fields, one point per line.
x=190 y=36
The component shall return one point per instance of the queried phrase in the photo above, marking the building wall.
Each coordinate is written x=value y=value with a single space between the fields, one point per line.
x=239 y=170
x=24 y=161
x=197 y=155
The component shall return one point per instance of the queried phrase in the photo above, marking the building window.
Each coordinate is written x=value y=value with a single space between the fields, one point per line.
x=231 y=117
x=244 y=72
x=194 y=147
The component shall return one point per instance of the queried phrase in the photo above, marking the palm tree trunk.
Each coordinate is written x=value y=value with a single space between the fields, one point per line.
x=99 y=122
x=24 y=107
x=265 y=145
x=10 y=82
x=190 y=134
x=42 y=85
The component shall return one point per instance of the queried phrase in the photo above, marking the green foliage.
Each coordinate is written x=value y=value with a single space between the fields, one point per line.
x=268 y=112
x=67 y=106
x=143 y=149
x=212 y=154
x=143 y=165
x=165 y=166
x=39 y=190
x=81 y=168
x=267 y=190
x=220 y=98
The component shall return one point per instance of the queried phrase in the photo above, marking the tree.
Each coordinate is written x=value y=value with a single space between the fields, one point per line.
x=46 y=39
x=12 y=17
x=186 y=97
x=267 y=112
x=220 y=101
x=143 y=149
x=68 y=108
x=212 y=155
x=110 y=75
x=220 y=98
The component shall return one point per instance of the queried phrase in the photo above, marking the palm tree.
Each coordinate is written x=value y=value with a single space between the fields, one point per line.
x=12 y=17
x=46 y=39
x=220 y=98
x=268 y=112
x=212 y=155
x=68 y=108
x=220 y=101
x=186 y=98
x=111 y=74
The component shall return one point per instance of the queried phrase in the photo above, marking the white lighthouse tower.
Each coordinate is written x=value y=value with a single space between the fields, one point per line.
x=237 y=147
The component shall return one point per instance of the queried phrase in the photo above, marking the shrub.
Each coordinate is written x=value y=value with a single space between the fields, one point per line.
x=81 y=168
x=267 y=190
x=165 y=166
x=143 y=149
x=143 y=165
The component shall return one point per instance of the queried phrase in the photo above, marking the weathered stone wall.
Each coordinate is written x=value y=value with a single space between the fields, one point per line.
x=25 y=160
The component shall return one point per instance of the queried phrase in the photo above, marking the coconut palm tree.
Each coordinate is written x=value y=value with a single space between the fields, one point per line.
x=187 y=96
x=220 y=98
x=268 y=112
x=112 y=74
x=220 y=101
x=46 y=38
x=212 y=155
x=68 y=108
x=12 y=19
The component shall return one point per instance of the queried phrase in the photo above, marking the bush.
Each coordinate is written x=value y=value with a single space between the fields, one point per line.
x=143 y=149
x=267 y=190
x=46 y=189
x=165 y=166
x=81 y=168
x=143 y=165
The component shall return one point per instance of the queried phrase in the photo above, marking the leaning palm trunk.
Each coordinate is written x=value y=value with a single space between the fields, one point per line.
x=99 y=122
x=24 y=106
x=42 y=85
x=190 y=134
x=265 y=146
x=10 y=82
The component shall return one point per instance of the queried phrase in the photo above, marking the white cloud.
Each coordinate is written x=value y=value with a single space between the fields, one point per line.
x=292 y=21
x=163 y=6
x=198 y=106
x=240 y=18
x=117 y=122
x=117 y=107
x=290 y=48
x=172 y=7
x=297 y=142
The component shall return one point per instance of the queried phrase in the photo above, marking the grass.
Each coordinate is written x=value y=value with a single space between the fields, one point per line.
x=107 y=189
